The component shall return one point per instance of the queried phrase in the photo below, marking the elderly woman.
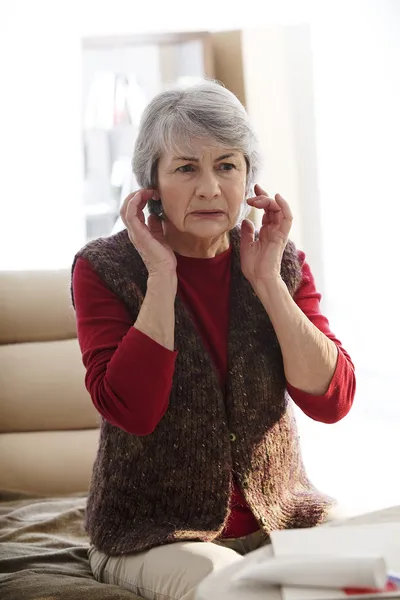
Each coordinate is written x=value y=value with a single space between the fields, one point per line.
x=197 y=334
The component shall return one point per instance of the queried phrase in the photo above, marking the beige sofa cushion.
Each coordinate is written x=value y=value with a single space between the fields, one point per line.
x=48 y=425
x=35 y=306
x=47 y=462
x=42 y=388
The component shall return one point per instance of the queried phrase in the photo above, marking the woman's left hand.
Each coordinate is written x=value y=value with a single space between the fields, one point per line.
x=261 y=259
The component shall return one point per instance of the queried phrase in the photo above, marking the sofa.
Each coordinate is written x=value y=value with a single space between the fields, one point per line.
x=48 y=439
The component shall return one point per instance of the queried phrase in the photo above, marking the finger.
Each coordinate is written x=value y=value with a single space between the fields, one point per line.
x=279 y=219
x=257 y=199
x=140 y=234
x=124 y=206
x=268 y=218
x=265 y=203
x=247 y=234
x=134 y=211
x=259 y=191
x=140 y=195
x=287 y=220
x=155 y=226
x=284 y=207
x=136 y=205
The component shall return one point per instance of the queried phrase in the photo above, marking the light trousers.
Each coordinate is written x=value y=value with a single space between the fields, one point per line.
x=171 y=571
x=174 y=571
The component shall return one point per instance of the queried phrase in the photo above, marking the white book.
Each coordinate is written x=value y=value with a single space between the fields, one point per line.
x=377 y=541
x=318 y=572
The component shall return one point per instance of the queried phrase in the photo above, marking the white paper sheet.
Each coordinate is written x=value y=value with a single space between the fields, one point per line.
x=318 y=571
x=345 y=541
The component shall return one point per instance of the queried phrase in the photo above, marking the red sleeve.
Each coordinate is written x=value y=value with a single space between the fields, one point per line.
x=128 y=375
x=336 y=403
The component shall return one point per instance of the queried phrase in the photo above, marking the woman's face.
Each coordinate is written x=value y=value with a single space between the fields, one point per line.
x=202 y=191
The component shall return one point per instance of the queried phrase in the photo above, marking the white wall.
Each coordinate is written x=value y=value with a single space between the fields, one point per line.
x=268 y=103
x=278 y=73
x=40 y=109
x=356 y=56
x=122 y=16
x=40 y=140
x=357 y=99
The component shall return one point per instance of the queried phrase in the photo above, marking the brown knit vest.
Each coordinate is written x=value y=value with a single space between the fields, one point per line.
x=175 y=484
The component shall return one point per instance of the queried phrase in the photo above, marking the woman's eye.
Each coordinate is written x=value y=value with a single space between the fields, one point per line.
x=185 y=169
x=226 y=166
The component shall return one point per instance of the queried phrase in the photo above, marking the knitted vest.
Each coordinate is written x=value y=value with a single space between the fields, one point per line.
x=175 y=484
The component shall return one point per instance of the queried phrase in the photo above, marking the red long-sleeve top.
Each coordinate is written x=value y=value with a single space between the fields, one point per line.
x=129 y=375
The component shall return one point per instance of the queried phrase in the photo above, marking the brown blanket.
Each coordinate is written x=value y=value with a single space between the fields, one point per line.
x=43 y=551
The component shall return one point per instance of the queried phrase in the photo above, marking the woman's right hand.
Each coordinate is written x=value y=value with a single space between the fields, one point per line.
x=149 y=240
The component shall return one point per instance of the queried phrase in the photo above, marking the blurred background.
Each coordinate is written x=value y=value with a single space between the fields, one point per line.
x=321 y=83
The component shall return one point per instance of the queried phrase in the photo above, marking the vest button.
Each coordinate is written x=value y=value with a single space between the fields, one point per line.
x=264 y=520
x=245 y=484
x=232 y=437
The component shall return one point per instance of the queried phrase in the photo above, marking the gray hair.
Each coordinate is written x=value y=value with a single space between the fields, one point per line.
x=176 y=117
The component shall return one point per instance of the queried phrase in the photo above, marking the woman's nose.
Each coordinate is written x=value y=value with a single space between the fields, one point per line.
x=207 y=186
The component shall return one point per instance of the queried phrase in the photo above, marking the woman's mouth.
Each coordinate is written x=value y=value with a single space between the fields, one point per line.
x=210 y=214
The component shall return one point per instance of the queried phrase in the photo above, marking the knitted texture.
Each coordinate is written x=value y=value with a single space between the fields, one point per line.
x=175 y=483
